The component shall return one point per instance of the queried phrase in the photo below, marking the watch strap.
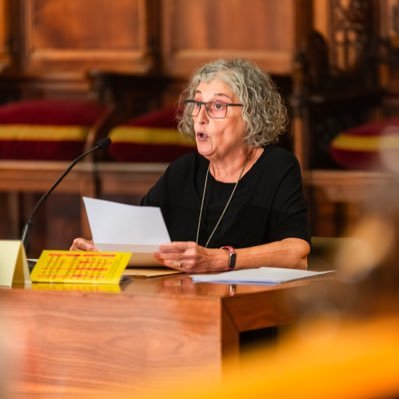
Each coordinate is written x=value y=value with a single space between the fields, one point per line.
x=232 y=256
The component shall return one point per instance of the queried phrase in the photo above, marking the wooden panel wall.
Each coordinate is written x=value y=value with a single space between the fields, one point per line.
x=263 y=30
x=59 y=40
x=321 y=17
x=68 y=37
x=62 y=39
x=4 y=49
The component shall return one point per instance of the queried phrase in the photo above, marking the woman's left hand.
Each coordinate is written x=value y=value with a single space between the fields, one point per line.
x=189 y=257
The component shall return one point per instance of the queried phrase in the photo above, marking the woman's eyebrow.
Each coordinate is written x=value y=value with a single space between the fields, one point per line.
x=215 y=94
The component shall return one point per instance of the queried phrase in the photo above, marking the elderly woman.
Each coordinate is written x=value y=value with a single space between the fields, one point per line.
x=238 y=201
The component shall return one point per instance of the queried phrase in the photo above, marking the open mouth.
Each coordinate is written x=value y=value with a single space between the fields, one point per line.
x=202 y=136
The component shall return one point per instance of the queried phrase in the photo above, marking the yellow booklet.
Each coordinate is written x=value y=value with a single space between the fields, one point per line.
x=80 y=287
x=80 y=267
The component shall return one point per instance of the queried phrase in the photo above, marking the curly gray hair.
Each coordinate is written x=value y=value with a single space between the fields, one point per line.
x=264 y=112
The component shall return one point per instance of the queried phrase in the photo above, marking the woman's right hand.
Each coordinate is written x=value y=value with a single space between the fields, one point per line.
x=81 y=244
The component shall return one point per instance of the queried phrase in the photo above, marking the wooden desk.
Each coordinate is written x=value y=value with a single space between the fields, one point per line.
x=154 y=332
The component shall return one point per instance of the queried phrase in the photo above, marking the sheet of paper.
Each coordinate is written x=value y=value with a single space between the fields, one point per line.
x=261 y=275
x=127 y=228
x=149 y=271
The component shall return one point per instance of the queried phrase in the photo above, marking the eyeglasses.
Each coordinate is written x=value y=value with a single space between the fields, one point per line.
x=214 y=109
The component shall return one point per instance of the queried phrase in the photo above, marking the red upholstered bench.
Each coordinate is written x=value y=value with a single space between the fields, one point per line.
x=367 y=159
x=152 y=137
x=371 y=146
x=46 y=129
x=38 y=139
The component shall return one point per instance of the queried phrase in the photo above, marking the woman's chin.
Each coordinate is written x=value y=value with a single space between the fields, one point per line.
x=204 y=150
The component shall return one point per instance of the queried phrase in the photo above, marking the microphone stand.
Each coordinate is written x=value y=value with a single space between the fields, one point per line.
x=101 y=144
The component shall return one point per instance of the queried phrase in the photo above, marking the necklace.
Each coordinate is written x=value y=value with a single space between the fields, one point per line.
x=225 y=208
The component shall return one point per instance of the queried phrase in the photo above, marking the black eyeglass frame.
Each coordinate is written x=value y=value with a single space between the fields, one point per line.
x=206 y=104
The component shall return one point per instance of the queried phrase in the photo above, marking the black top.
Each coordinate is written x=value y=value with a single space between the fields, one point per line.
x=268 y=204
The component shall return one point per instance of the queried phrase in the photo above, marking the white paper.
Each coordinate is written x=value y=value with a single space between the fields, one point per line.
x=261 y=275
x=127 y=228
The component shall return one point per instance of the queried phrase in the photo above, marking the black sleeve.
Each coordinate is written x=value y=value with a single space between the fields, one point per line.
x=290 y=216
x=153 y=197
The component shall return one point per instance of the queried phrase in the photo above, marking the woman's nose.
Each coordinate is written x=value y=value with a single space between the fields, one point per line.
x=203 y=115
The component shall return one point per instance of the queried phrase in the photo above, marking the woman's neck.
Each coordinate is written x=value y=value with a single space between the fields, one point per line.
x=230 y=172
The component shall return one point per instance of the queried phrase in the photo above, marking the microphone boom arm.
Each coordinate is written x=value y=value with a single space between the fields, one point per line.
x=102 y=144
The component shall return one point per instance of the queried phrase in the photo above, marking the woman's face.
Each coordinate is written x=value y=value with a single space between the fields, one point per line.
x=218 y=138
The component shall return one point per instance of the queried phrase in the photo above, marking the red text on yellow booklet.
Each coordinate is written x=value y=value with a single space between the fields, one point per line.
x=80 y=267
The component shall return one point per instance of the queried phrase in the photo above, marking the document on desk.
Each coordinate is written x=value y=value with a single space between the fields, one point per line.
x=261 y=275
x=127 y=228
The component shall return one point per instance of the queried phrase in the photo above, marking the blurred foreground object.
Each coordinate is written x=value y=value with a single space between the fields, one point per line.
x=326 y=359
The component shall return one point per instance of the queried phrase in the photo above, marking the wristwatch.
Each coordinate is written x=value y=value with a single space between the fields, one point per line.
x=232 y=256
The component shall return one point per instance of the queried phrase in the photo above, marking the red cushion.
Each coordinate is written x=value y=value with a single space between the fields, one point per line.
x=370 y=146
x=46 y=129
x=164 y=117
x=152 y=137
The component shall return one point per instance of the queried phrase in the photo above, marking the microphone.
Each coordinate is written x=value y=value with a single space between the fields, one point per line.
x=102 y=144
